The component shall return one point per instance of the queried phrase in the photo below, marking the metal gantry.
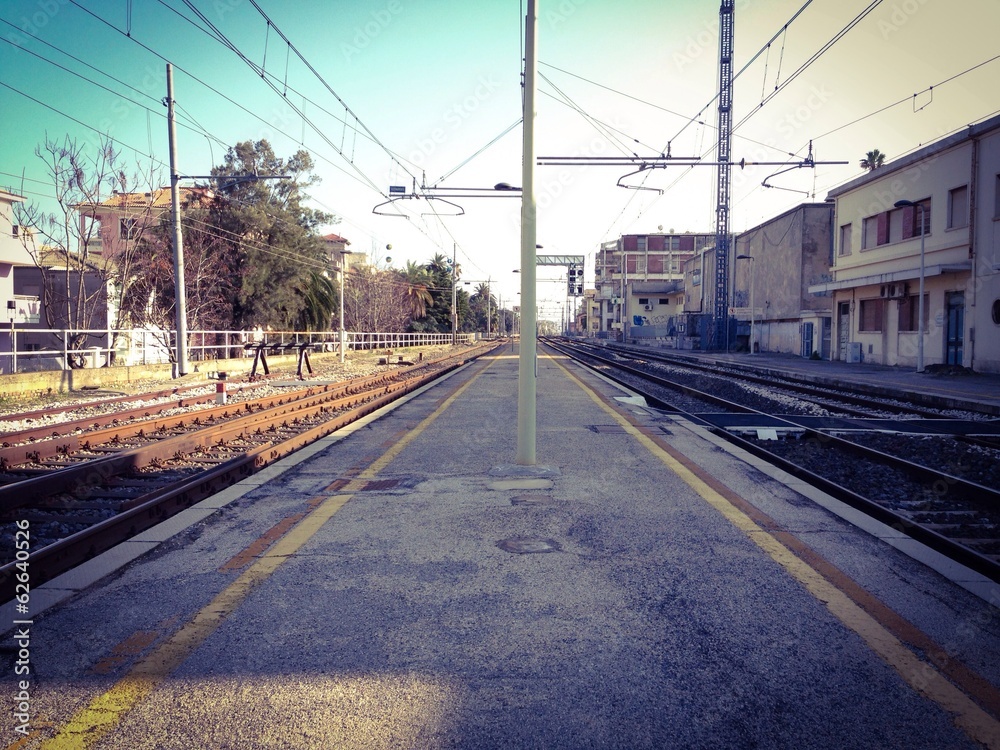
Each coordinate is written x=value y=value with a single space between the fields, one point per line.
x=720 y=319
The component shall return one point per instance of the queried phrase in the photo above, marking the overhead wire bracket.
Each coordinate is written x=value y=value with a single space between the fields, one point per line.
x=435 y=193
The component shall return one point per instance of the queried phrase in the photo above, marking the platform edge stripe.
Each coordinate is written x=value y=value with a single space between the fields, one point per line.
x=922 y=676
x=90 y=724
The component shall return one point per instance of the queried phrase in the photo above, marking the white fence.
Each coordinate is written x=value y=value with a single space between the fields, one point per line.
x=36 y=349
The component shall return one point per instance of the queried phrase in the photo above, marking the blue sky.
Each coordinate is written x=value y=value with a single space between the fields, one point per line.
x=413 y=89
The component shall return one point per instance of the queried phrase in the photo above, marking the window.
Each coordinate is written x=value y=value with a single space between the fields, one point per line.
x=872 y=314
x=958 y=207
x=664 y=301
x=643 y=300
x=908 y=309
x=845 y=240
x=129 y=229
x=870 y=237
x=926 y=214
x=895 y=226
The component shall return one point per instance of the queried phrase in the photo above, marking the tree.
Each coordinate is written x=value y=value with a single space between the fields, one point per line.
x=374 y=300
x=418 y=295
x=440 y=279
x=319 y=297
x=873 y=160
x=484 y=307
x=272 y=238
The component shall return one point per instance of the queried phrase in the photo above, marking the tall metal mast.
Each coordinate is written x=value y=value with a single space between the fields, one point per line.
x=720 y=322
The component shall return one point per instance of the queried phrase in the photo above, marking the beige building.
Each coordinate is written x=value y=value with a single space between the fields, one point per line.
x=638 y=279
x=946 y=232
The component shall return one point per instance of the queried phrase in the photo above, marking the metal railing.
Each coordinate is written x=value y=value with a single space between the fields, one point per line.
x=41 y=349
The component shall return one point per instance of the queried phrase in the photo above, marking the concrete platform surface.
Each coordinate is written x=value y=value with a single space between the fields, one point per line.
x=406 y=585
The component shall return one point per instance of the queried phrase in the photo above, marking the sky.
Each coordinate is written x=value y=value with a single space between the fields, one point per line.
x=414 y=92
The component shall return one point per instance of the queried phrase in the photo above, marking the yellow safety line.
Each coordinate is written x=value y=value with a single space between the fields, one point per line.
x=921 y=675
x=90 y=724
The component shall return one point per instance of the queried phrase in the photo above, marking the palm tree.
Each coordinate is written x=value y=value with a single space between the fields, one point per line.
x=319 y=299
x=873 y=160
x=418 y=294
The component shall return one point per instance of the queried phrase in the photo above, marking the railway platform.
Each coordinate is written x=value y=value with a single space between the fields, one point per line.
x=403 y=584
x=938 y=386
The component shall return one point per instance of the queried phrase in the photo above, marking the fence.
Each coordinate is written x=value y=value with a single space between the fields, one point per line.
x=39 y=349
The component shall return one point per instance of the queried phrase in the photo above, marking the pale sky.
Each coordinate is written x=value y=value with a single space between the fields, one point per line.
x=413 y=89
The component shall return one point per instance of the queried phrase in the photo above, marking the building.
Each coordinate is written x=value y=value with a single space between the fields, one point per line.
x=19 y=308
x=944 y=236
x=772 y=269
x=638 y=279
x=108 y=227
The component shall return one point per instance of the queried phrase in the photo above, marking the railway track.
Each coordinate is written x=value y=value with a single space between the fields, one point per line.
x=86 y=485
x=936 y=487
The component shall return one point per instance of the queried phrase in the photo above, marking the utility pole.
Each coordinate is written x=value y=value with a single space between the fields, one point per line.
x=454 y=311
x=526 y=375
x=175 y=212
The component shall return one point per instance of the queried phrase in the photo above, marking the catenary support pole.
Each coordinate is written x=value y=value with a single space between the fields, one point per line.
x=175 y=211
x=526 y=378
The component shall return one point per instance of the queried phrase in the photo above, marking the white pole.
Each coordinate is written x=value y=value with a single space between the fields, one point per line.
x=454 y=311
x=175 y=210
x=343 y=335
x=751 y=305
x=526 y=376
x=920 y=299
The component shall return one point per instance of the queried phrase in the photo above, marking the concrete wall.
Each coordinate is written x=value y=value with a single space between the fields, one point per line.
x=983 y=297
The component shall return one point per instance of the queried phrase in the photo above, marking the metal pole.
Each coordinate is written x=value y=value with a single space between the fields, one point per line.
x=751 y=304
x=920 y=298
x=175 y=210
x=343 y=335
x=489 y=305
x=526 y=376
x=454 y=310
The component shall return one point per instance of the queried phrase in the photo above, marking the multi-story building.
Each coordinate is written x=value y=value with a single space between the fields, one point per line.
x=108 y=227
x=929 y=219
x=19 y=308
x=772 y=268
x=635 y=277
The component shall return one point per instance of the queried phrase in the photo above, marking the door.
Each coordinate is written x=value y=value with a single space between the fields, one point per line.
x=807 y=340
x=843 y=329
x=825 y=335
x=955 y=332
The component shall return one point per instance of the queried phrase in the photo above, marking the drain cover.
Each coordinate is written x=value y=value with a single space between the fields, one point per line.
x=528 y=545
x=606 y=429
x=531 y=500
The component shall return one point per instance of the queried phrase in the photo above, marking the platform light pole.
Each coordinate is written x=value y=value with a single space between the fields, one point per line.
x=526 y=376
x=750 y=258
x=344 y=252
x=920 y=293
x=454 y=295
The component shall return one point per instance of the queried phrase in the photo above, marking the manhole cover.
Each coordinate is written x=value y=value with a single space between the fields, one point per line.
x=531 y=500
x=606 y=429
x=528 y=545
